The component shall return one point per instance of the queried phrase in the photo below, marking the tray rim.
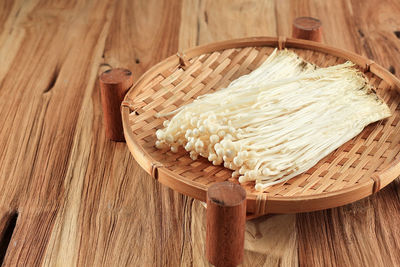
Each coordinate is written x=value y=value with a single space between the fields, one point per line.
x=258 y=205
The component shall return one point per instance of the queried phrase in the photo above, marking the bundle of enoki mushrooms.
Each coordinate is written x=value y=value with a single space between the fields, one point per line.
x=276 y=122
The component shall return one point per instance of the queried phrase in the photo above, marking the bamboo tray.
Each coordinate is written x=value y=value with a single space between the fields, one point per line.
x=357 y=169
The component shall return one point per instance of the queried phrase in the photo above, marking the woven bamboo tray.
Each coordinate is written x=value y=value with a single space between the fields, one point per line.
x=357 y=169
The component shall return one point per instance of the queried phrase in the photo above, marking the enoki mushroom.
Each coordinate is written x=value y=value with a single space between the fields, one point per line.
x=276 y=122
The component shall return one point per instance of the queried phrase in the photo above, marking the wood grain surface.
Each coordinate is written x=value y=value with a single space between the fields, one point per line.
x=70 y=197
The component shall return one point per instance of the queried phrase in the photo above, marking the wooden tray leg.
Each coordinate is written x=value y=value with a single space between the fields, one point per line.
x=226 y=221
x=114 y=84
x=269 y=239
x=307 y=28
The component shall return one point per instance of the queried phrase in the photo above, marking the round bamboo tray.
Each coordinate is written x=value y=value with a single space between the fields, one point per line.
x=359 y=168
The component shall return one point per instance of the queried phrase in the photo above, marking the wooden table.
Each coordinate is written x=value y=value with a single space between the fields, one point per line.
x=71 y=197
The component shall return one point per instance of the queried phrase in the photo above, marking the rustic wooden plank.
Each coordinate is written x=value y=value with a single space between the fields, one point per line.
x=43 y=103
x=119 y=211
x=92 y=188
x=361 y=234
x=46 y=104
